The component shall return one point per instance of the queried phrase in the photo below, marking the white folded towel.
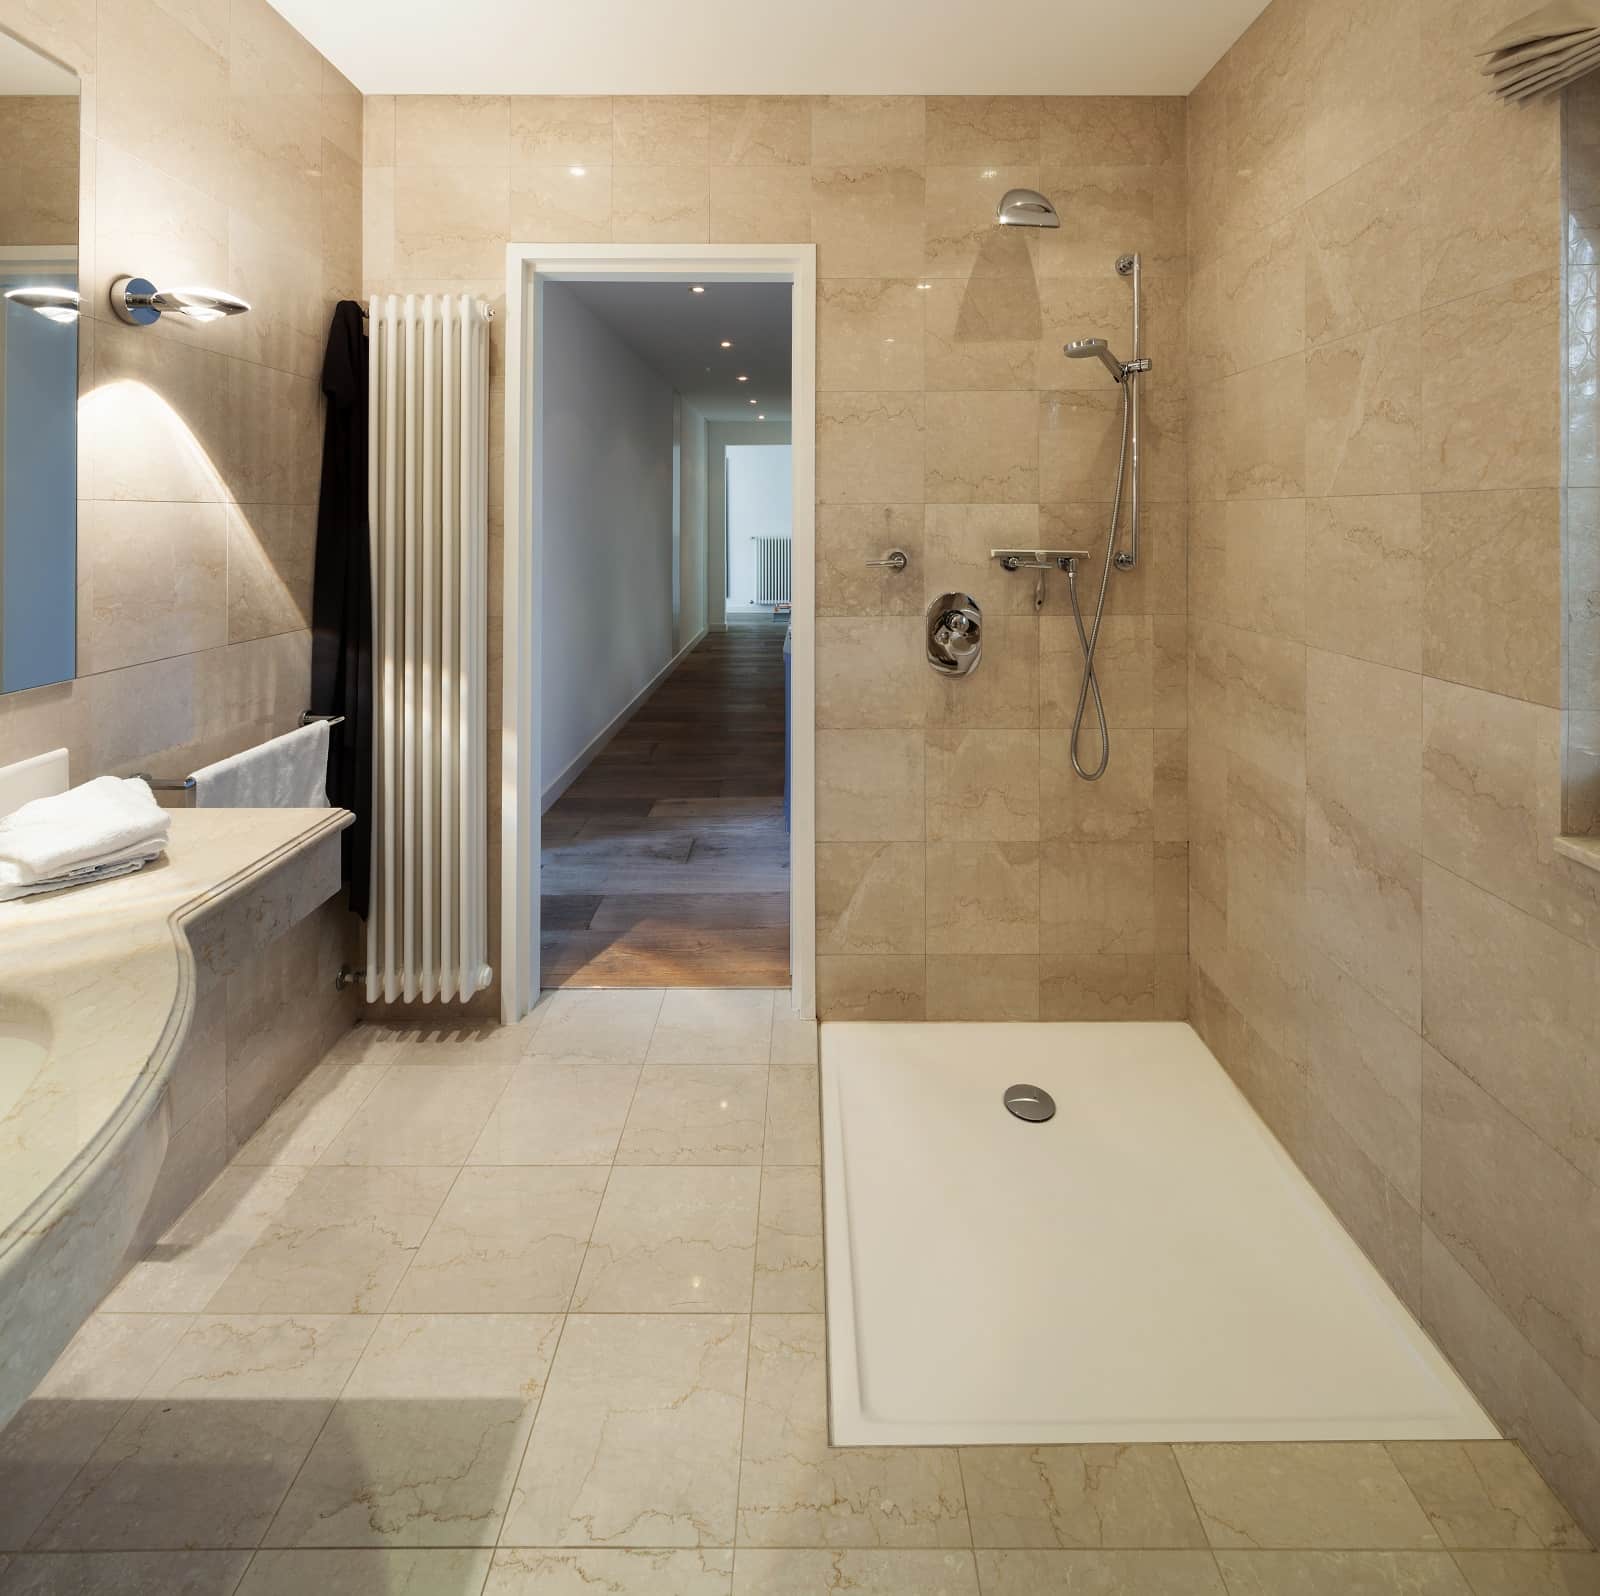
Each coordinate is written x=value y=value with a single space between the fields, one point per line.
x=105 y=822
x=77 y=878
x=289 y=772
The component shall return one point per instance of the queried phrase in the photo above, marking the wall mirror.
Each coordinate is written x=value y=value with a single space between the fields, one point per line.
x=38 y=367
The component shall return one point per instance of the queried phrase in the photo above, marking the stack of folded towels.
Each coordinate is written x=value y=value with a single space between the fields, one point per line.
x=107 y=827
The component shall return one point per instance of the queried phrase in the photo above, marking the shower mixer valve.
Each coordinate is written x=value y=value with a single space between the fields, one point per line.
x=1040 y=560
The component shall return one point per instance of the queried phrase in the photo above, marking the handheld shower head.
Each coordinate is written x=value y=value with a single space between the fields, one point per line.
x=1026 y=207
x=1095 y=348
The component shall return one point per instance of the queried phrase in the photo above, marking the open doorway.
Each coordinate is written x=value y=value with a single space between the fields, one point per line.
x=661 y=513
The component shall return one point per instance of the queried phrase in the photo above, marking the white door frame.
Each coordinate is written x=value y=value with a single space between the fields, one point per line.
x=528 y=268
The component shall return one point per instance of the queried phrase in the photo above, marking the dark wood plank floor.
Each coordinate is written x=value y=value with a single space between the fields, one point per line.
x=666 y=862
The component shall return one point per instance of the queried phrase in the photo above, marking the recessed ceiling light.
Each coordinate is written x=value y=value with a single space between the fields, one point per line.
x=924 y=286
x=697 y=289
x=755 y=401
x=578 y=171
x=761 y=418
x=727 y=343
x=743 y=378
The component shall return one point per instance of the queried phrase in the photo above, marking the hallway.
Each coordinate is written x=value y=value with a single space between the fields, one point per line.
x=666 y=863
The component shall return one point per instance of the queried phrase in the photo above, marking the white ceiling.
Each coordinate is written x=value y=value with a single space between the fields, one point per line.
x=678 y=334
x=772 y=46
x=25 y=71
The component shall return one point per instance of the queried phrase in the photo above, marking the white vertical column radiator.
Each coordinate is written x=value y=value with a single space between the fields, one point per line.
x=427 y=493
x=773 y=568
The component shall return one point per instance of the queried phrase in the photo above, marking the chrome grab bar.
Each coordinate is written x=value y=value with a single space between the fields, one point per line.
x=173 y=784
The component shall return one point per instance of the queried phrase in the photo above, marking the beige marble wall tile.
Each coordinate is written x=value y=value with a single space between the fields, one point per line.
x=869 y=334
x=983 y=898
x=1490 y=1188
x=983 y=786
x=452 y=130
x=852 y=129
x=1097 y=898
x=1158 y=585
x=1477 y=947
x=1004 y=693
x=152 y=582
x=870 y=448
x=1138 y=208
x=1094 y=302
x=1490 y=205
x=660 y=204
x=870 y=898
x=760 y=130
x=1099 y=130
x=561 y=204
x=871 y=988
x=1365 y=59
x=960 y=237
x=1080 y=433
x=670 y=129
x=378 y=130
x=958 y=540
x=1112 y=986
x=1491 y=591
x=1264 y=566
x=1363 y=253
x=559 y=130
x=1263 y=424
x=979 y=987
x=1265 y=88
x=1364 y=563
x=760 y=204
x=451 y=221
x=982 y=447
x=983 y=332
x=1362 y=397
x=1489 y=419
x=1260 y=297
x=870 y=672
x=1485 y=1494
x=867 y=219
x=1119 y=807
x=851 y=535
x=870 y=786
x=983 y=130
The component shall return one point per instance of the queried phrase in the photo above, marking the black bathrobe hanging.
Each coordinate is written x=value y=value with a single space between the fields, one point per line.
x=341 y=605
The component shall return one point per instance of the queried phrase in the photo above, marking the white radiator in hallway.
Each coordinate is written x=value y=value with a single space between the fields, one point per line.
x=427 y=492
x=773 y=568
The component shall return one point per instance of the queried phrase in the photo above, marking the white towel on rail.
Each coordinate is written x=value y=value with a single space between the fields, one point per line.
x=108 y=825
x=288 y=772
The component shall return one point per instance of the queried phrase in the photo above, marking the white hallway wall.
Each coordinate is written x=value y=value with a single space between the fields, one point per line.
x=607 y=505
x=760 y=502
x=720 y=435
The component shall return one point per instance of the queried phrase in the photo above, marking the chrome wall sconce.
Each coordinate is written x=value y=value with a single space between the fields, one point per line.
x=54 y=304
x=139 y=302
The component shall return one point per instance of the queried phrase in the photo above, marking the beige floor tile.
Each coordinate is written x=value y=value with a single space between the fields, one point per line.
x=713 y=1027
x=707 y=1571
x=556 y=1112
x=339 y=1244
x=364 y=1044
x=794 y=1124
x=506 y=1241
x=425 y=1440
x=1312 y=1496
x=672 y=1241
x=205 y=1454
x=367 y=1571
x=696 y=1114
x=795 y=1490
x=873 y=1573
x=422 y=1114
x=601 y=1027
x=1119 y=1573
x=72 y=1410
x=302 y=1127
x=789 y=1242
x=793 y=1041
x=1078 y=1496
x=1531 y=1573
x=194 y=1257
x=637 y=1438
x=1341 y=1574
x=123 y=1574
x=1486 y=1495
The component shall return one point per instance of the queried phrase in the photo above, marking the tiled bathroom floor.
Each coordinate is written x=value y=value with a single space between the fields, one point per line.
x=539 y=1312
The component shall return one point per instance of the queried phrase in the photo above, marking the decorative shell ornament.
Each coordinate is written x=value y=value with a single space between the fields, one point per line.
x=1545 y=50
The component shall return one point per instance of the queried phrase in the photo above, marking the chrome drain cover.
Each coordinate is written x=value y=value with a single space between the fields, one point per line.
x=1032 y=1103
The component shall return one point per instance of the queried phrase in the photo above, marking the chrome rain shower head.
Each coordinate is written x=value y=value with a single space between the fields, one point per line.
x=1095 y=348
x=1026 y=207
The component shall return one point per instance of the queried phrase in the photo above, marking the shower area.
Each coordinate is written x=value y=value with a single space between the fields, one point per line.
x=1082 y=1231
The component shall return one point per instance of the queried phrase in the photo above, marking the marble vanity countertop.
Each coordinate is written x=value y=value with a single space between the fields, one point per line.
x=103 y=977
